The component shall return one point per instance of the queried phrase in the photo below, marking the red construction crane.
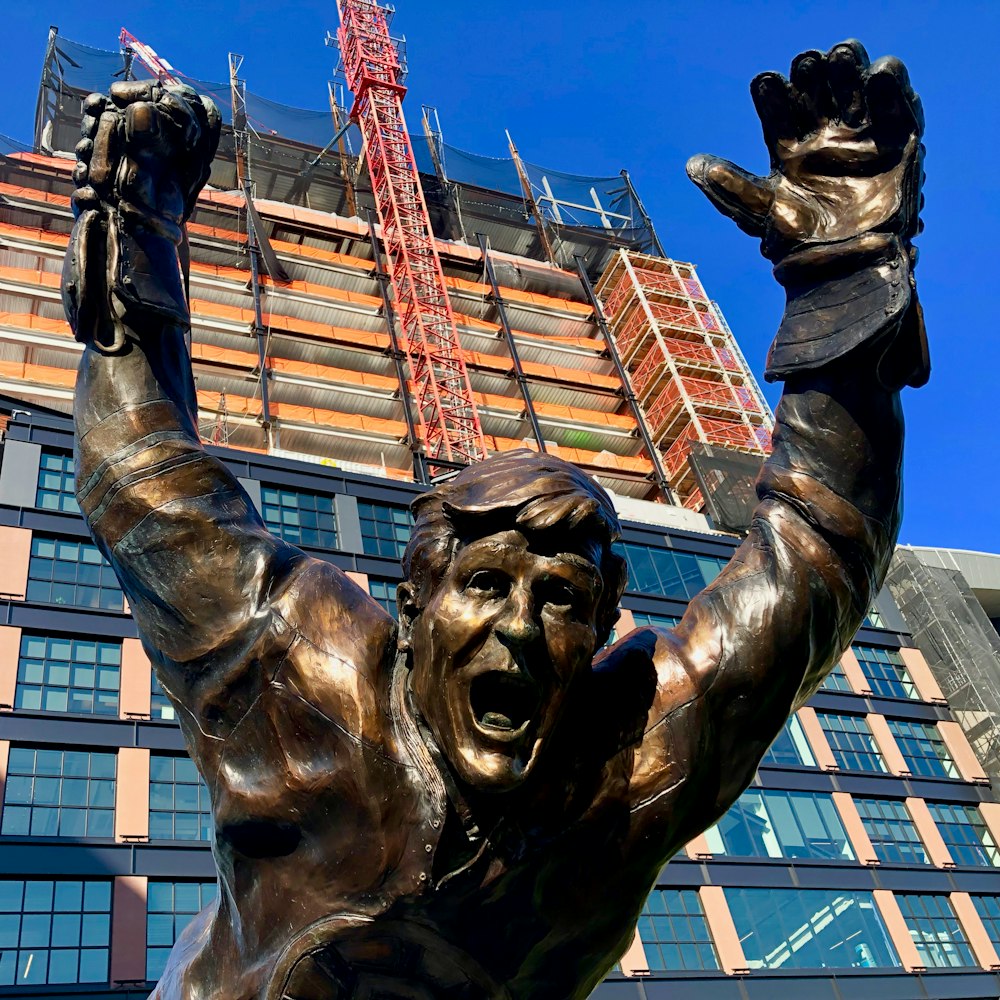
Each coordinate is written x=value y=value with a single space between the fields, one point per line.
x=449 y=423
x=158 y=66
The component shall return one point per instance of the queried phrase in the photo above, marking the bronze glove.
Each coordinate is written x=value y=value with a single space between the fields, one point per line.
x=838 y=211
x=146 y=152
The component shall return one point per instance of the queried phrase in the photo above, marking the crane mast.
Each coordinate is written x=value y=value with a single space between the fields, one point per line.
x=446 y=410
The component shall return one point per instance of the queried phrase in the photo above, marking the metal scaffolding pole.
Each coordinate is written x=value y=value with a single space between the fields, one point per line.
x=398 y=356
x=659 y=474
x=522 y=382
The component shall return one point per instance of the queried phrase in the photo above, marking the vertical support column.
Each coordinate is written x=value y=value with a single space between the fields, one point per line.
x=522 y=383
x=652 y=451
x=625 y=623
x=723 y=930
x=132 y=793
x=856 y=833
x=892 y=917
x=991 y=816
x=817 y=739
x=927 y=829
x=361 y=579
x=10 y=652
x=4 y=757
x=920 y=673
x=961 y=751
x=135 y=693
x=345 y=510
x=887 y=745
x=15 y=553
x=634 y=962
x=128 y=929
x=979 y=940
x=698 y=848
x=399 y=358
x=854 y=674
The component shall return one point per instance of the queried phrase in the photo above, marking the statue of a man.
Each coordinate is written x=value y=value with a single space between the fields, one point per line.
x=475 y=804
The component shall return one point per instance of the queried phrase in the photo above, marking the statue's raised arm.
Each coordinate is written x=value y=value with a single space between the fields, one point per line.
x=199 y=568
x=836 y=217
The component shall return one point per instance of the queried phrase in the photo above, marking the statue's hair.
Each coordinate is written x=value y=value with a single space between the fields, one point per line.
x=532 y=492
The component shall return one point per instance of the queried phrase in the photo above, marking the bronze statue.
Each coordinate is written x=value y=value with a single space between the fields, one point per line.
x=476 y=804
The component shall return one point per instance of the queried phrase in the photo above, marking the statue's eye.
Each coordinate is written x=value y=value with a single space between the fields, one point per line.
x=559 y=593
x=488 y=583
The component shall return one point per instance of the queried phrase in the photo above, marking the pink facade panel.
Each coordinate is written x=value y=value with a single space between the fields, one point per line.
x=132 y=793
x=934 y=844
x=856 y=833
x=817 y=739
x=15 y=551
x=961 y=752
x=854 y=674
x=722 y=928
x=10 y=651
x=892 y=917
x=887 y=745
x=924 y=681
x=634 y=961
x=128 y=929
x=979 y=940
x=136 y=678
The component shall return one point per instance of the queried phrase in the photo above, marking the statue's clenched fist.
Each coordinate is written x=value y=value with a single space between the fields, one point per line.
x=145 y=154
x=838 y=211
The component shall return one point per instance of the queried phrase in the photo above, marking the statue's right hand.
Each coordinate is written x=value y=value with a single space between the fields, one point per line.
x=145 y=154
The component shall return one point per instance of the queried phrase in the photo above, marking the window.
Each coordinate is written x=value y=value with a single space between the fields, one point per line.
x=790 y=749
x=300 y=518
x=54 y=932
x=810 y=929
x=836 y=680
x=648 y=618
x=935 y=930
x=65 y=572
x=885 y=672
x=170 y=907
x=666 y=572
x=159 y=704
x=923 y=749
x=891 y=831
x=965 y=832
x=988 y=908
x=854 y=748
x=874 y=618
x=385 y=530
x=56 y=489
x=384 y=591
x=674 y=932
x=59 y=793
x=179 y=806
x=57 y=674
x=773 y=824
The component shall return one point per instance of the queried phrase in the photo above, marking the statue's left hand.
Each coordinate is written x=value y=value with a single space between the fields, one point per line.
x=843 y=198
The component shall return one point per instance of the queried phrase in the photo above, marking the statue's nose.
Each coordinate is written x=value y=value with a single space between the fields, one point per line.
x=518 y=622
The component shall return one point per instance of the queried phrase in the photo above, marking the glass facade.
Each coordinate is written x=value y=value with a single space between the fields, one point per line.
x=885 y=672
x=159 y=703
x=300 y=518
x=60 y=674
x=385 y=529
x=674 y=932
x=965 y=834
x=923 y=749
x=988 y=908
x=851 y=740
x=179 y=805
x=71 y=573
x=931 y=921
x=170 y=907
x=668 y=573
x=836 y=680
x=647 y=618
x=810 y=929
x=791 y=748
x=384 y=591
x=777 y=824
x=891 y=830
x=56 y=483
x=54 y=932
x=59 y=793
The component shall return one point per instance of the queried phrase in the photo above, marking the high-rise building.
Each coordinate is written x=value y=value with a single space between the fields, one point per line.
x=861 y=861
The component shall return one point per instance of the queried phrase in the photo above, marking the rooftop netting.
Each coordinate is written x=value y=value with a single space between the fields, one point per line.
x=596 y=203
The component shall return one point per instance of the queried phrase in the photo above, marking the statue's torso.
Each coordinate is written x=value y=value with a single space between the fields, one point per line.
x=345 y=872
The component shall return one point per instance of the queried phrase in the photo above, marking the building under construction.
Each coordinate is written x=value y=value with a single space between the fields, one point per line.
x=373 y=308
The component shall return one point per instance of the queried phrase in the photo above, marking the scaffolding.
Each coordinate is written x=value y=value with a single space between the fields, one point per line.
x=685 y=368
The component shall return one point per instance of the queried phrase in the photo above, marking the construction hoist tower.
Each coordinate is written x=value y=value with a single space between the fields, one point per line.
x=448 y=422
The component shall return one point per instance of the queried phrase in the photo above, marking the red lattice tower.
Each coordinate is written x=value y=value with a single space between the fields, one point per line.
x=449 y=423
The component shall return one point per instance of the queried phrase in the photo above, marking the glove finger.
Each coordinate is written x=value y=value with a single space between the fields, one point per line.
x=105 y=155
x=128 y=92
x=847 y=63
x=812 y=101
x=895 y=110
x=743 y=197
x=772 y=97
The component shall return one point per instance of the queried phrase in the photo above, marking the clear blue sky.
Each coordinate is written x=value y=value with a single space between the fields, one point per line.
x=593 y=87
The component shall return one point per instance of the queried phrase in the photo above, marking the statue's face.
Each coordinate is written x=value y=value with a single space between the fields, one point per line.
x=496 y=652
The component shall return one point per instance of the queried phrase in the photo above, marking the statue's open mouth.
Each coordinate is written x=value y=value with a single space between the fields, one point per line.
x=503 y=702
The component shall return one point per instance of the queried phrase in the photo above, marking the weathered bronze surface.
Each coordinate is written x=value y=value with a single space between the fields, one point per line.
x=475 y=805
